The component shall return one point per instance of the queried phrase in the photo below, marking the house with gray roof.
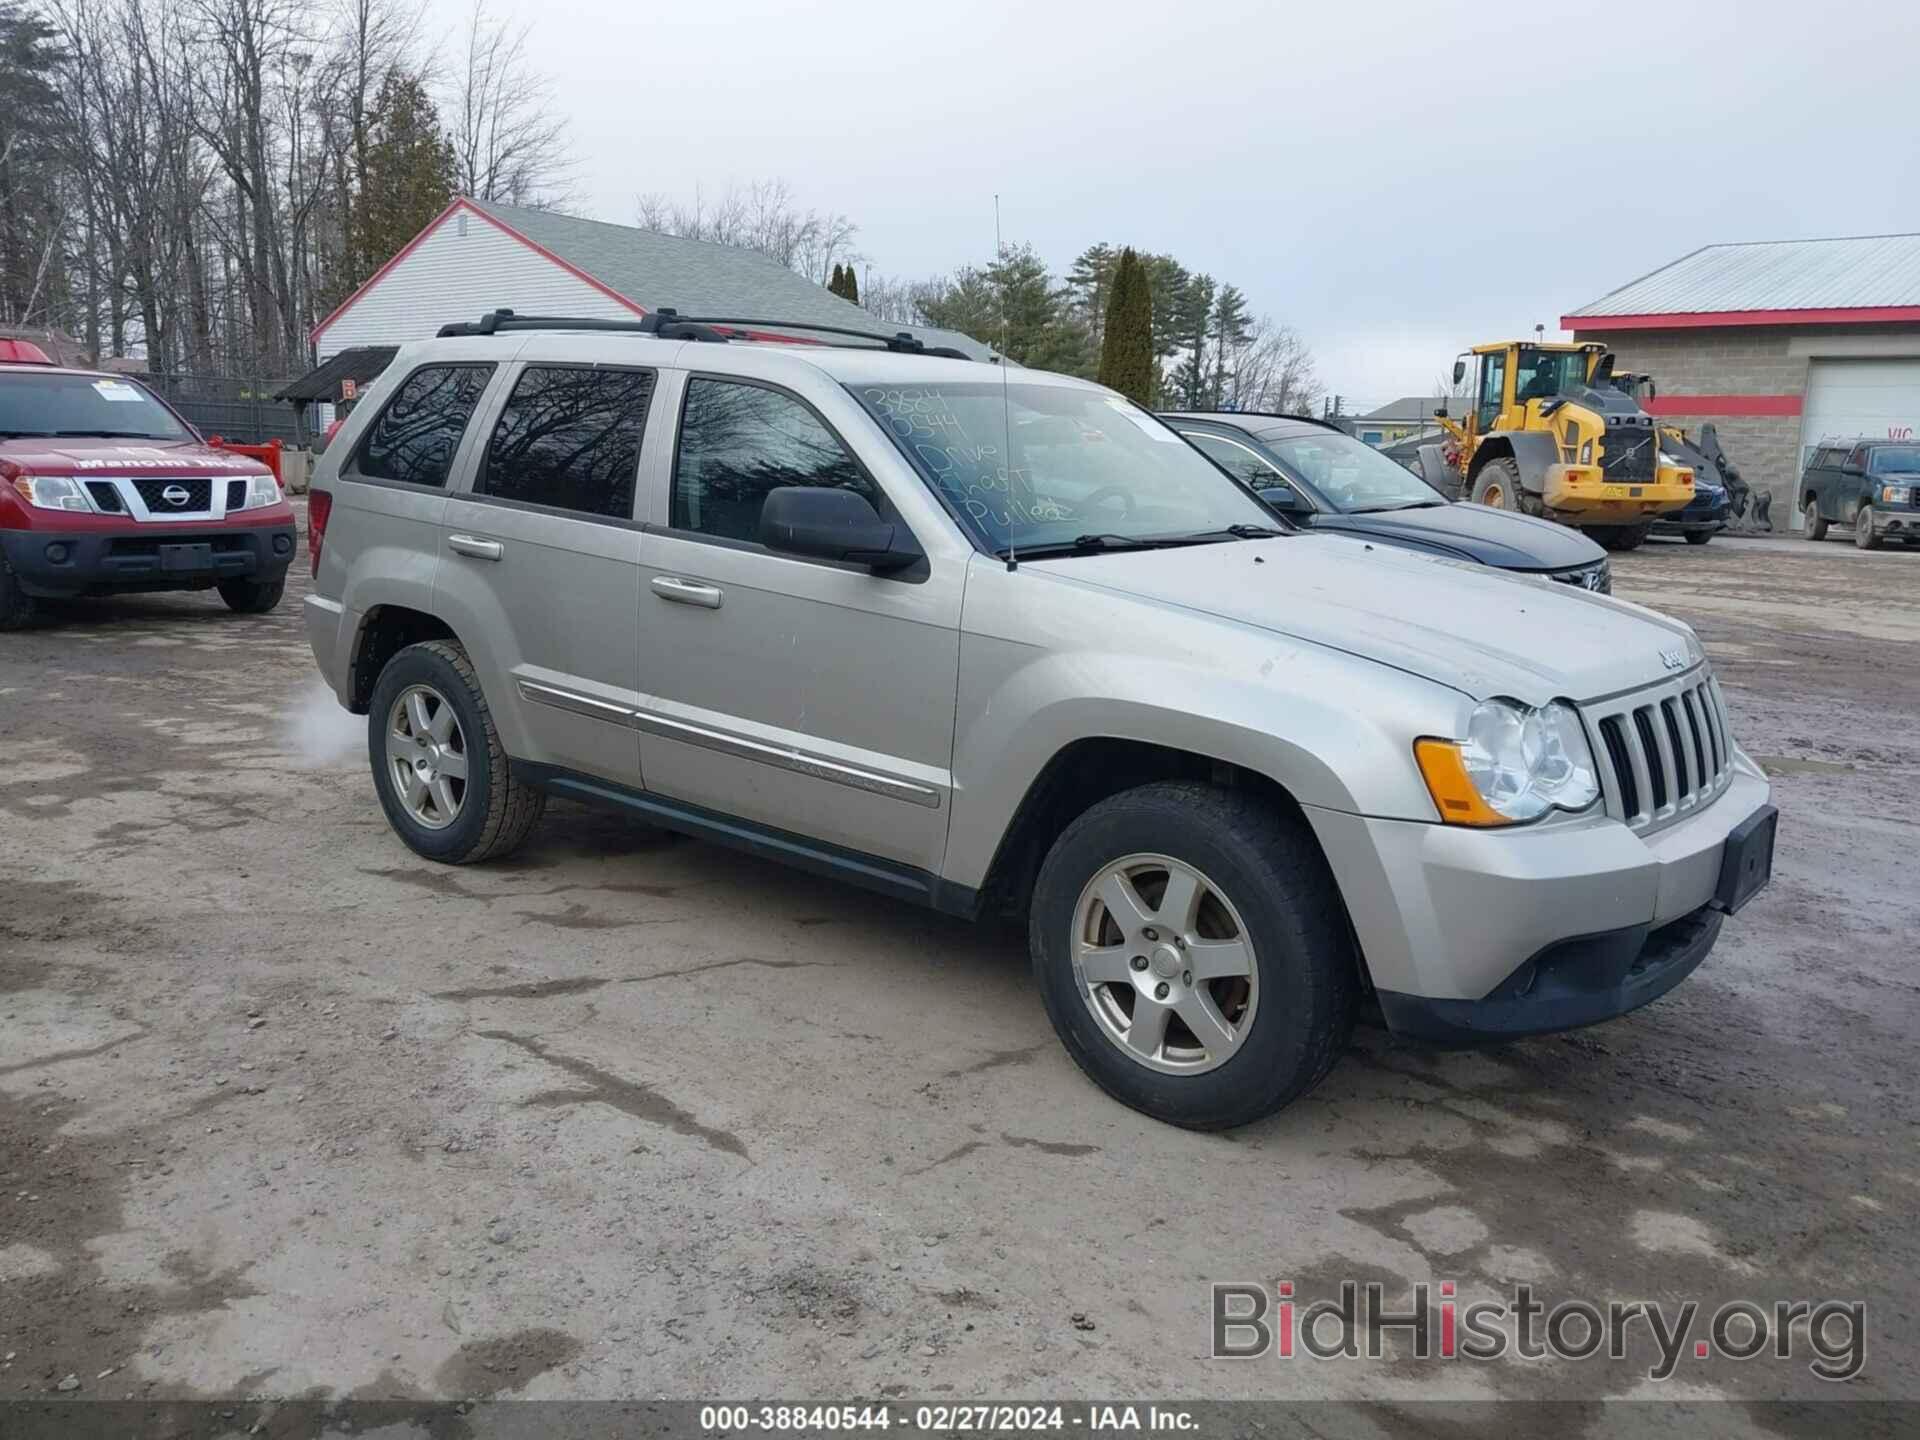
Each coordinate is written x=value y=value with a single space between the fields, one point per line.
x=480 y=255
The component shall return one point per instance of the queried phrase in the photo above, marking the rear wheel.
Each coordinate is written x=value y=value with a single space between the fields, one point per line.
x=1190 y=949
x=16 y=607
x=1816 y=526
x=252 y=597
x=1498 y=486
x=438 y=765
x=1863 y=532
x=1623 y=537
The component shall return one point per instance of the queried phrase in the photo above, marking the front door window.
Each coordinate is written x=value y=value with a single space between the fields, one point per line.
x=1493 y=383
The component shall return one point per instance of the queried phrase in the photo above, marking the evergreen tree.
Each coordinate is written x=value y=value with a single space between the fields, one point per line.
x=1088 y=283
x=850 y=286
x=1232 y=329
x=836 y=285
x=1127 y=361
x=409 y=174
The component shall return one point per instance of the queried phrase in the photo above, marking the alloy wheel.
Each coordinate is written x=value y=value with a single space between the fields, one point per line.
x=1165 y=964
x=427 y=757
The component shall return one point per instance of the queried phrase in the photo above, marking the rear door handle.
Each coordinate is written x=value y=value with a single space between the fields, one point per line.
x=478 y=549
x=686 y=592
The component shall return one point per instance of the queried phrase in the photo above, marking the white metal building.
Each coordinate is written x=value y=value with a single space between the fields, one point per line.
x=1781 y=344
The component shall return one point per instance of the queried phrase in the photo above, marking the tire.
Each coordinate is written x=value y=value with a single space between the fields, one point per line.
x=1498 y=485
x=1699 y=537
x=1622 y=537
x=17 y=609
x=491 y=811
x=1293 y=1012
x=1816 y=526
x=252 y=597
x=1863 y=531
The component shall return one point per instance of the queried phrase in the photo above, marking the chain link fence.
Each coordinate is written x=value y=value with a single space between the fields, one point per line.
x=234 y=408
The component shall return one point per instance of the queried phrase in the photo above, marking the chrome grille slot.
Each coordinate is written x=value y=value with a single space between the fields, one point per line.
x=1663 y=752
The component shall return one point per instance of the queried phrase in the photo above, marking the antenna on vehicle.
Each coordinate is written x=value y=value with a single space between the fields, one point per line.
x=1006 y=404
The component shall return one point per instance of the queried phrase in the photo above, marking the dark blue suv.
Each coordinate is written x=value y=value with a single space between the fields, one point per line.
x=1872 y=487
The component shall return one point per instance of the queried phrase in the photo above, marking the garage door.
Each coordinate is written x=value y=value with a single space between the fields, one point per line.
x=1873 y=399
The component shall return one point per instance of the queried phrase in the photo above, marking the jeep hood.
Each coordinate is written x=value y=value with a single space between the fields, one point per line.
x=1482 y=631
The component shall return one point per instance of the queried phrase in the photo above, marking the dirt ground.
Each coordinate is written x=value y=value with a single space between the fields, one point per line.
x=286 y=1110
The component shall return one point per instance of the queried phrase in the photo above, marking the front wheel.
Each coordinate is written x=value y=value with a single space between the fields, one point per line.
x=1699 y=537
x=438 y=765
x=1864 y=535
x=16 y=606
x=252 y=597
x=1190 y=948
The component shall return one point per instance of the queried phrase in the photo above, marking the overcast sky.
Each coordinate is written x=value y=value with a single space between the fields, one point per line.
x=1397 y=181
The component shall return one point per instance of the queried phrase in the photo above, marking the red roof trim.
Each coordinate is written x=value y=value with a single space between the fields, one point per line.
x=1782 y=405
x=461 y=202
x=1704 y=319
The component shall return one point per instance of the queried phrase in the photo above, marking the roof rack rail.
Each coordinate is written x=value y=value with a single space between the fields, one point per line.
x=669 y=324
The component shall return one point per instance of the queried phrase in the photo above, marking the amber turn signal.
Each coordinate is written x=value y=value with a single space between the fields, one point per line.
x=1454 y=795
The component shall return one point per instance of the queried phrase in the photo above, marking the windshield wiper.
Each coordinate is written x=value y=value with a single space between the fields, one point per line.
x=1098 y=541
x=1233 y=532
x=110 y=435
x=26 y=434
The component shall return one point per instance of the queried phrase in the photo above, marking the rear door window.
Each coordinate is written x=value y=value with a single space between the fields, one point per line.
x=569 y=438
x=413 y=440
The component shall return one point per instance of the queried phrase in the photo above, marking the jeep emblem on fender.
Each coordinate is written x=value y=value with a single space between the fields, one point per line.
x=176 y=494
x=1674 y=659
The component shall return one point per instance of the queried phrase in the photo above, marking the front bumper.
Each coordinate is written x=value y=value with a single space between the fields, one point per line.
x=54 y=564
x=1901 y=521
x=1709 y=512
x=1479 y=934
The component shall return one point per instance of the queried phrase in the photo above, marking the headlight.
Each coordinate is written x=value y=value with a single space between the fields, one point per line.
x=1516 y=764
x=51 y=492
x=262 y=490
x=1586 y=453
x=1895 y=494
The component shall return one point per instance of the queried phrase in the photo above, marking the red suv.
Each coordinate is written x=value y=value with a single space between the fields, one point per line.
x=104 y=490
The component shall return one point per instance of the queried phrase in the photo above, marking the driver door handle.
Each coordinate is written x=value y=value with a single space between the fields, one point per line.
x=478 y=549
x=687 y=592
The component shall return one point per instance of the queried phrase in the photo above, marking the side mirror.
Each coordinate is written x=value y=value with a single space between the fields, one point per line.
x=1653 y=390
x=1459 y=371
x=1440 y=412
x=828 y=523
x=1282 y=496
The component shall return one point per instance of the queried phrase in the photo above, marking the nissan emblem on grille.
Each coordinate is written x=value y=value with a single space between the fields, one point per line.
x=176 y=495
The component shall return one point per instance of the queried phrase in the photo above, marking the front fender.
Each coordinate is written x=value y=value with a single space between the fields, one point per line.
x=1335 y=731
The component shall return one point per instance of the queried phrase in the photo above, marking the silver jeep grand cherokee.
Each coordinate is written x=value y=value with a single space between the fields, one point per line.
x=990 y=639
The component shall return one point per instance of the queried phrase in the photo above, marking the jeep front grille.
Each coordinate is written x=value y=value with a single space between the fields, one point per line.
x=1663 y=752
x=1628 y=450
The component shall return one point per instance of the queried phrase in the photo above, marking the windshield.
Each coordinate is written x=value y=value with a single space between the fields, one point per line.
x=1542 y=374
x=1039 y=465
x=54 y=405
x=1895 y=460
x=1352 y=475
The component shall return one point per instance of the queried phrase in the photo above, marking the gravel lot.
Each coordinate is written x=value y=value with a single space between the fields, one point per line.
x=285 y=1109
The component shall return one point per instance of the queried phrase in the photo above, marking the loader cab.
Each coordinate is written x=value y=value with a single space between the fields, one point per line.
x=1512 y=376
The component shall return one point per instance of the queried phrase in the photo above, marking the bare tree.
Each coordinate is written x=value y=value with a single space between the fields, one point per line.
x=509 y=133
x=762 y=216
x=1273 y=371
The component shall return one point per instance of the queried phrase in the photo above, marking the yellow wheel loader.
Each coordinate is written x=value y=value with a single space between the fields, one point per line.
x=1547 y=432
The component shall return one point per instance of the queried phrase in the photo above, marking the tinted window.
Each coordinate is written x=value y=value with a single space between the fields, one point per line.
x=737 y=443
x=570 y=438
x=414 y=439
